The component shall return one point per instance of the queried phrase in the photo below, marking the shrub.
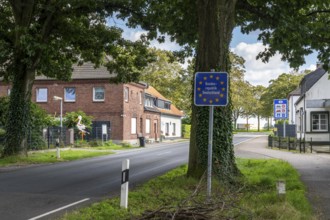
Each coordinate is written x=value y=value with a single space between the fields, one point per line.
x=186 y=130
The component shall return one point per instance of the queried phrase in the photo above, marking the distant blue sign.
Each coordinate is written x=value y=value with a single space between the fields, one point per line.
x=280 y=109
x=211 y=89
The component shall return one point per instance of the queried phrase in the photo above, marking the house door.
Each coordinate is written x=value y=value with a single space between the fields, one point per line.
x=156 y=129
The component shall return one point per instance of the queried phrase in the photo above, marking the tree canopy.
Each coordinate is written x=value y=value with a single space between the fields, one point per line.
x=279 y=89
x=48 y=37
x=170 y=79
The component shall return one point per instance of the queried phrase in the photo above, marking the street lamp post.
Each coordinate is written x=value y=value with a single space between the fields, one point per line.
x=56 y=98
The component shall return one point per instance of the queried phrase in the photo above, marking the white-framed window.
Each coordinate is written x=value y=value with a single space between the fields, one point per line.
x=133 y=125
x=126 y=94
x=42 y=94
x=167 y=129
x=148 y=126
x=141 y=98
x=320 y=121
x=98 y=94
x=70 y=94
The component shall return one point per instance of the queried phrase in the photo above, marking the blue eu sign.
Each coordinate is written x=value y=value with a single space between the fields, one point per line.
x=280 y=109
x=211 y=89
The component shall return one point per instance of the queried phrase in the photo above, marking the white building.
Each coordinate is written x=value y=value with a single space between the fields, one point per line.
x=313 y=106
x=292 y=99
x=170 y=116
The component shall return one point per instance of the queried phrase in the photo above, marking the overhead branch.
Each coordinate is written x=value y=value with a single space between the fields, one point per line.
x=317 y=12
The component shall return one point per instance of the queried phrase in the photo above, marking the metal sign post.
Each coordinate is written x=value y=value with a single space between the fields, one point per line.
x=281 y=111
x=209 y=151
x=211 y=89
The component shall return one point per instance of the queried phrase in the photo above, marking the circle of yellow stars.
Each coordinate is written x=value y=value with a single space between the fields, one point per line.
x=211 y=101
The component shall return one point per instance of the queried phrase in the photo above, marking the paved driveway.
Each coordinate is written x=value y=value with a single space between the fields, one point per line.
x=314 y=170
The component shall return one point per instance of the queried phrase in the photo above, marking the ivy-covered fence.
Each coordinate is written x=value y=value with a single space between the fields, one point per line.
x=53 y=136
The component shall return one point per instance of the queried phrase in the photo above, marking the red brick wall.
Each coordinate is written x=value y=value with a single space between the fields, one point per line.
x=110 y=109
x=113 y=108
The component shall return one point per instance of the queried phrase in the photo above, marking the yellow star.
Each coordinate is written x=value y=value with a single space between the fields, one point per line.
x=217 y=78
x=200 y=83
x=205 y=78
x=222 y=82
x=217 y=100
x=200 y=95
x=221 y=95
x=211 y=101
x=204 y=99
x=223 y=89
x=199 y=89
x=211 y=76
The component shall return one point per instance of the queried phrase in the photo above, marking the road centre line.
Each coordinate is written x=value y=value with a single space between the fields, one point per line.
x=163 y=153
x=235 y=144
x=59 y=209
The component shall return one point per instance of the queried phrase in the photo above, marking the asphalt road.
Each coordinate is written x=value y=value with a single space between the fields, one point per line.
x=46 y=191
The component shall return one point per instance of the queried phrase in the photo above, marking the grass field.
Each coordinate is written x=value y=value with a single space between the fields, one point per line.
x=39 y=157
x=253 y=197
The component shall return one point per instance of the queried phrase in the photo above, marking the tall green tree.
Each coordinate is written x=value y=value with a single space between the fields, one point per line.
x=48 y=37
x=258 y=91
x=249 y=103
x=170 y=79
x=279 y=89
x=237 y=86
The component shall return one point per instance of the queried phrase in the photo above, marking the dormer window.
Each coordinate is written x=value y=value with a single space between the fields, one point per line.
x=148 y=102
x=167 y=105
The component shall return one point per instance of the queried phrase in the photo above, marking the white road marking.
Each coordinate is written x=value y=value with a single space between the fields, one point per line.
x=244 y=141
x=166 y=152
x=59 y=209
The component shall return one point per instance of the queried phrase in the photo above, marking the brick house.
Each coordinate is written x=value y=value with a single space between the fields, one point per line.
x=118 y=110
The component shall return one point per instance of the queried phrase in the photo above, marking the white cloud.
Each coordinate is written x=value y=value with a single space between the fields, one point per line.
x=257 y=72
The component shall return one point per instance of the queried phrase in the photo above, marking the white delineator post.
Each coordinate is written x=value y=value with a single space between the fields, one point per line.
x=58 y=153
x=124 y=184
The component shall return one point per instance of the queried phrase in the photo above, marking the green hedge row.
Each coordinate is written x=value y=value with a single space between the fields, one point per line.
x=186 y=130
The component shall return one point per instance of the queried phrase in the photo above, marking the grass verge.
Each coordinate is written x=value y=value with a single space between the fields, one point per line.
x=37 y=157
x=255 y=197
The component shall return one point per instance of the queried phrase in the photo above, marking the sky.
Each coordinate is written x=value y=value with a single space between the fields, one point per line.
x=246 y=46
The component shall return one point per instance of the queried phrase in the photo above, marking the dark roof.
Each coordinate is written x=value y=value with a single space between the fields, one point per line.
x=295 y=92
x=86 y=71
x=310 y=79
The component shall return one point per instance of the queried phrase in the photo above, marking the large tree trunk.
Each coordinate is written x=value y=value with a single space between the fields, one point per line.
x=18 y=120
x=23 y=72
x=216 y=23
x=247 y=123
x=235 y=118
